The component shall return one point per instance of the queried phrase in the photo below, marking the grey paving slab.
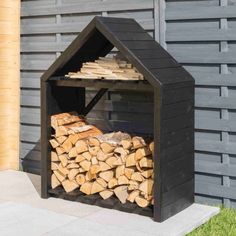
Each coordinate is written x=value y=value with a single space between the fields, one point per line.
x=28 y=214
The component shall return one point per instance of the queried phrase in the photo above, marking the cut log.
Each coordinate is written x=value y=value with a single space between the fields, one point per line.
x=96 y=187
x=54 y=165
x=129 y=172
x=54 y=181
x=86 y=188
x=151 y=147
x=121 y=152
x=142 y=202
x=94 y=169
x=126 y=143
x=85 y=165
x=61 y=139
x=123 y=180
x=94 y=150
x=147 y=186
x=101 y=156
x=63 y=170
x=121 y=193
x=106 y=175
x=118 y=161
x=73 y=138
x=69 y=186
x=73 y=166
x=72 y=153
x=54 y=156
x=104 y=166
x=138 y=167
x=142 y=152
x=138 y=142
x=147 y=173
x=64 y=160
x=107 y=148
x=54 y=143
x=87 y=156
x=80 y=179
x=130 y=160
x=102 y=182
x=110 y=161
x=89 y=176
x=60 y=176
x=146 y=162
x=94 y=161
x=93 y=142
x=106 y=194
x=81 y=146
x=133 y=185
x=112 y=183
x=120 y=170
x=60 y=150
x=79 y=158
x=136 y=176
x=133 y=195
x=72 y=173
x=60 y=131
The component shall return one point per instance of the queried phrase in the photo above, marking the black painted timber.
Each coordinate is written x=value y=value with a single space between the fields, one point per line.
x=171 y=87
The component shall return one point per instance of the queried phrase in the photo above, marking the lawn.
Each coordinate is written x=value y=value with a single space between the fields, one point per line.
x=223 y=224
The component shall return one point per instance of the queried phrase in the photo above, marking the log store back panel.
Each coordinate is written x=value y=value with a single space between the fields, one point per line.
x=47 y=30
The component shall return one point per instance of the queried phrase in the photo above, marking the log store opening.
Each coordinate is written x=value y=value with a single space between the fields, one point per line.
x=151 y=175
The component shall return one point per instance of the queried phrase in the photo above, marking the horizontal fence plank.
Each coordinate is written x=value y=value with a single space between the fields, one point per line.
x=211 y=12
x=215 y=190
x=201 y=35
x=89 y=7
x=215 y=168
x=188 y=56
x=63 y=28
x=215 y=146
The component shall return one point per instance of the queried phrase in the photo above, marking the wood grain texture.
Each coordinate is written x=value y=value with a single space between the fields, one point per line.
x=9 y=86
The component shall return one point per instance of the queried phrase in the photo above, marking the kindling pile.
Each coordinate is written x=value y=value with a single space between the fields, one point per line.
x=84 y=158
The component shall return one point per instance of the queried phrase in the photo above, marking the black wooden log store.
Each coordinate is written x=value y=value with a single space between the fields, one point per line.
x=173 y=89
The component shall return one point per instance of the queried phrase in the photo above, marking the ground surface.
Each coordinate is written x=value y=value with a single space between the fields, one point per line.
x=224 y=224
x=24 y=213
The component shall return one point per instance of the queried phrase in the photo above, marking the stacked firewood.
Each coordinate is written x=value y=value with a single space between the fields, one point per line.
x=107 y=68
x=109 y=164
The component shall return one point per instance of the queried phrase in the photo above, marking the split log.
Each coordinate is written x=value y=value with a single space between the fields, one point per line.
x=138 y=142
x=147 y=173
x=87 y=155
x=89 y=176
x=146 y=162
x=94 y=160
x=106 y=194
x=120 y=170
x=133 y=185
x=151 y=147
x=107 y=148
x=123 y=180
x=133 y=195
x=64 y=160
x=94 y=150
x=60 y=176
x=121 y=193
x=79 y=158
x=142 y=202
x=106 y=175
x=80 y=179
x=94 y=169
x=72 y=174
x=54 y=143
x=111 y=160
x=63 y=170
x=112 y=183
x=60 y=150
x=128 y=172
x=130 y=160
x=147 y=186
x=102 y=182
x=69 y=186
x=85 y=165
x=73 y=165
x=67 y=145
x=61 y=139
x=81 y=146
x=72 y=153
x=86 y=188
x=104 y=166
x=142 y=152
x=73 y=138
x=54 y=156
x=54 y=181
x=137 y=177
x=93 y=141
x=126 y=143
x=96 y=187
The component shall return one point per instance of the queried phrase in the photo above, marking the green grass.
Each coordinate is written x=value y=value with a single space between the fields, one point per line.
x=223 y=224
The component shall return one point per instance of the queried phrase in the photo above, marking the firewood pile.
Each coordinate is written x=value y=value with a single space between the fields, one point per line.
x=107 y=68
x=109 y=164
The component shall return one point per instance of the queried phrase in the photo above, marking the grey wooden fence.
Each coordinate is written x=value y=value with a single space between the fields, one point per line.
x=200 y=34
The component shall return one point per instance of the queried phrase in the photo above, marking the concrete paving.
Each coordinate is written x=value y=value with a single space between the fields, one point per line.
x=23 y=212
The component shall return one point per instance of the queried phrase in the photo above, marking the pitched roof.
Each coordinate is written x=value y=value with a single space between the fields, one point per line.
x=139 y=48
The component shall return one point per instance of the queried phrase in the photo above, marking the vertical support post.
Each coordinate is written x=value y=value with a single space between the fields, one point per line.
x=157 y=213
x=159 y=22
x=10 y=84
x=224 y=93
